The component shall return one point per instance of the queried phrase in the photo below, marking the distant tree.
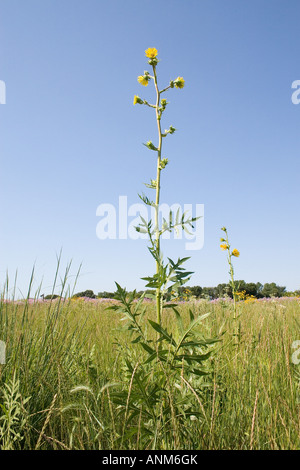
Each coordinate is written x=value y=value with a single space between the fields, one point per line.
x=105 y=295
x=136 y=294
x=259 y=288
x=272 y=290
x=86 y=293
x=251 y=288
x=223 y=289
x=209 y=293
x=196 y=291
x=139 y=294
x=149 y=293
x=255 y=289
x=50 y=296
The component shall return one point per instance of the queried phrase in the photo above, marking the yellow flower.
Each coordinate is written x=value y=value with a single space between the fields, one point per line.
x=137 y=99
x=224 y=247
x=179 y=82
x=143 y=80
x=151 y=52
x=235 y=252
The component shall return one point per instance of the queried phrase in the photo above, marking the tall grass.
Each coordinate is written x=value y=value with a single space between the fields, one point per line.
x=64 y=370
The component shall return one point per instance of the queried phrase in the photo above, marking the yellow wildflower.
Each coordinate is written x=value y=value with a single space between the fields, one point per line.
x=235 y=252
x=137 y=99
x=143 y=80
x=151 y=52
x=224 y=247
x=179 y=82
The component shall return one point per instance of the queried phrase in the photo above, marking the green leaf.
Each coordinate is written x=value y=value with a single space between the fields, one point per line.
x=199 y=372
x=151 y=357
x=193 y=357
x=189 y=329
x=141 y=229
x=205 y=342
x=146 y=200
x=179 y=321
x=147 y=348
x=157 y=354
x=192 y=316
x=163 y=332
x=136 y=340
x=186 y=230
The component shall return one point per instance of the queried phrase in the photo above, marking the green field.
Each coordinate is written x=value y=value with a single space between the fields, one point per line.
x=66 y=385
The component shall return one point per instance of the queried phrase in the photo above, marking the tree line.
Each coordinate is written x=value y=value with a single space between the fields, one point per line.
x=248 y=289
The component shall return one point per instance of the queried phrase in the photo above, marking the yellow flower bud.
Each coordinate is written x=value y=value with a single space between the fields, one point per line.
x=179 y=82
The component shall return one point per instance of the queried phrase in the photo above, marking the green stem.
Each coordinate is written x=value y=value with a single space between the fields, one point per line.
x=165 y=89
x=157 y=199
x=233 y=286
x=233 y=293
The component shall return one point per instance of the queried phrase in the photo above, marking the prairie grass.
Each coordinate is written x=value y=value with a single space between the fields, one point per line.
x=63 y=365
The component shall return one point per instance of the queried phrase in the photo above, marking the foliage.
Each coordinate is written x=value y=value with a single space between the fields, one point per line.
x=13 y=415
x=163 y=379
x=68 y=358
x=105 y=295
x=254 y=289
x=272 y=290
x=87 y=293
x=51 y=297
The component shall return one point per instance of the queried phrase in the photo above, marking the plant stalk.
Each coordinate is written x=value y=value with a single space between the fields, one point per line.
x=157 y=199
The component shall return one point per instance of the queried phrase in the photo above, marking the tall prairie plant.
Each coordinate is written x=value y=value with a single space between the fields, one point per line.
x=169 y=276
x=164 y=374
x=232 y=253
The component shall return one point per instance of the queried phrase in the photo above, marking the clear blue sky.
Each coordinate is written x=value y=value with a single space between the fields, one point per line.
x=71 y=138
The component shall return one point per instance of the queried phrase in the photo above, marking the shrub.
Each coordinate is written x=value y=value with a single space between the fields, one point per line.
x=86 y=293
